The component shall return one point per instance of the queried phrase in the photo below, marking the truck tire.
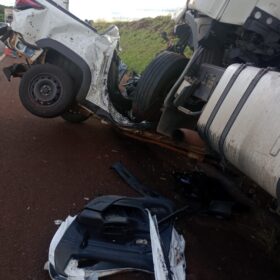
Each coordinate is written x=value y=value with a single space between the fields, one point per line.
x=155 y=83
x=46 y=91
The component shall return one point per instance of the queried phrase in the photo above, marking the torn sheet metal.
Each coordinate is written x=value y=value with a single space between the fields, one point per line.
x=177 y=256
x=160 y=266
x=176 y=267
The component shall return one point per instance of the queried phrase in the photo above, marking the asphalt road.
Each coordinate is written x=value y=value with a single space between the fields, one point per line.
x=48 y=168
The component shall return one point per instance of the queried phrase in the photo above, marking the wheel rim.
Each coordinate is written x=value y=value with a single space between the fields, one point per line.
x=45 y=89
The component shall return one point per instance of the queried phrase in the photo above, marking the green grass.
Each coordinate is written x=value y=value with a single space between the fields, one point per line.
x=2 y=9
x=141 y=40
x=2 y=13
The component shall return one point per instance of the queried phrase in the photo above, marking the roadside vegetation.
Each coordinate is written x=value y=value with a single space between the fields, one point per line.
x=141 y=40
x=2 y=13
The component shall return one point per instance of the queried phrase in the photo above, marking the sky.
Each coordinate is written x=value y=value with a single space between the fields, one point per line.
x=115 y=9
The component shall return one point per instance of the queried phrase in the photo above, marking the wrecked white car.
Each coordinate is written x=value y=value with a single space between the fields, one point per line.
x=228 y=91
x=68 y=62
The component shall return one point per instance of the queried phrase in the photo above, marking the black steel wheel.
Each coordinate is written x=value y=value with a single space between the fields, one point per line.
x=46 y=91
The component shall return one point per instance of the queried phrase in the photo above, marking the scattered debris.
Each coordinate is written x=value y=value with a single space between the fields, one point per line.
x=58 y=222
x=115 y=234
x=104 y=122
x=120 y=234
x=132 y=181
x=207 y=194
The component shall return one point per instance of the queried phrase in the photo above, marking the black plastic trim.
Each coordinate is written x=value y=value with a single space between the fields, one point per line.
x=222 y=99
x=75 y=58
x=239 y=107
x=274 y=25
x=71 y=15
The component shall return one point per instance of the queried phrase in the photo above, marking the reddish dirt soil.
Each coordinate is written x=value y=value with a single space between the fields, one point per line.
x=49 y=167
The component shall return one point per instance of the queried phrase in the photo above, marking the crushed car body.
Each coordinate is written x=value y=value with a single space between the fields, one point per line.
x=44 y=33
x=115 y=234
